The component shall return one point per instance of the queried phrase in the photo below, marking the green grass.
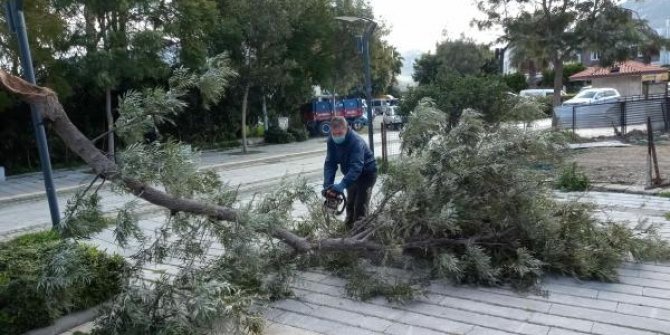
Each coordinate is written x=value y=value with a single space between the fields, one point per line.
x=665 y=194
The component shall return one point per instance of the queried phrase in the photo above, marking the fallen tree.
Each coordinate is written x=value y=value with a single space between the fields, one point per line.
x=470 y=203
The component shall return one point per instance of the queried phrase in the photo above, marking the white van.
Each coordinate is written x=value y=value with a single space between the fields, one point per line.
x=538 y=92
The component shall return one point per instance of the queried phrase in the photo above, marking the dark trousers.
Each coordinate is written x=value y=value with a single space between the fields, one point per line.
x=358 y=198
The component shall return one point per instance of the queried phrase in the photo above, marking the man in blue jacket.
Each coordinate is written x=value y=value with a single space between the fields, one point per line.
x=348 y=150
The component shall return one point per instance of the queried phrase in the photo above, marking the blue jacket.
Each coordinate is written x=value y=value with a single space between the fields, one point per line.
x=353 y=156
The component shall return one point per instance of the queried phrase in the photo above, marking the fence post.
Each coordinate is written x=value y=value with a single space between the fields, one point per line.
x=653 y=160
x=623 y=118
x=574 y=121
x=384 y=145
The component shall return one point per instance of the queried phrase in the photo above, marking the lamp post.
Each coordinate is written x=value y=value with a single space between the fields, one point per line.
x=17 y=25
x=370 y=26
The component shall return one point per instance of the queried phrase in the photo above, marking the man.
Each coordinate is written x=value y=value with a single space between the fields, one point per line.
x=348 y=150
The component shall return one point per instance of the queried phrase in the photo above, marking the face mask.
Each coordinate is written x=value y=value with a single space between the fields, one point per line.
x=338 y=139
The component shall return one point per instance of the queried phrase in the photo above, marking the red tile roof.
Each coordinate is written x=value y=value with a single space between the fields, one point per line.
x=627 y=68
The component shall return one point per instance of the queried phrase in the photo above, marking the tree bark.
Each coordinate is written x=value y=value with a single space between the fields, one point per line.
x=558 y=87
x=266 y=123
x=245 y=103
x=110 y=124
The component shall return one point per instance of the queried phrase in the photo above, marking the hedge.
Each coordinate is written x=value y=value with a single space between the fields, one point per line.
x=25 y=306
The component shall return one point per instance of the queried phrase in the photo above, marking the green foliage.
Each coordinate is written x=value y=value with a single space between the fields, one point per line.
x=140 y=113
x=570 y=179
x=32 y=292
x=283 y=48
x=568 y=70
x=364 y=285
x=553 y=32
x=452 y=94
x=664 y=194
x=461 y=57
x=527 y=109
x=278 y=135
x=300 y=134
x=516 y=82
x=470 y=200
x=257 y=131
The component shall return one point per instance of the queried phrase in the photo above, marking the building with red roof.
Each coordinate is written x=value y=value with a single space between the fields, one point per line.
x=630 y=78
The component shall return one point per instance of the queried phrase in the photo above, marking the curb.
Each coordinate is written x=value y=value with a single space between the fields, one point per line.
x=216 y=167
x=67 y=322
x=616 y=189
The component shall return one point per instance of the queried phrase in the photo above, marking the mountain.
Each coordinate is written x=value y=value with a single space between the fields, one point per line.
x=405 y=77
x=656 y=12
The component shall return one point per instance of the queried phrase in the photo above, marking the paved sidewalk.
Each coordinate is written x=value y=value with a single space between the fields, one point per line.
x=639 y=304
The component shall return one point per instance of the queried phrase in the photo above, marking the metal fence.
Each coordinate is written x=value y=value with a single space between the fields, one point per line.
x=618 y=117
x=391 y=145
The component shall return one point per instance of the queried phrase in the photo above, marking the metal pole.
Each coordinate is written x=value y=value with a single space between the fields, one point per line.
x=17 y=25
x=368 y=81
x=384 y=144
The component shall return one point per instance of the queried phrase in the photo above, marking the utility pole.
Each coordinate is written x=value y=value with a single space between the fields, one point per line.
x=17 y=25
x=369 y=29
x=368 y=81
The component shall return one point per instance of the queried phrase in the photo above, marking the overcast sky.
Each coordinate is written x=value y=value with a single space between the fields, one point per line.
x=418 y=24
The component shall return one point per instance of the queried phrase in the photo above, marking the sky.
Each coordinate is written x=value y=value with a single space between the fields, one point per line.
x=419 y=24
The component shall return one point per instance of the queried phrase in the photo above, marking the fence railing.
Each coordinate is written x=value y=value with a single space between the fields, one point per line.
x=618 y=116
x=391 y=146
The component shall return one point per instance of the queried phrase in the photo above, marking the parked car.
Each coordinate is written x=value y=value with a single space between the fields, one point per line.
x=594 y=95
x=392 y=118
x=383 y=104
x=538 y=92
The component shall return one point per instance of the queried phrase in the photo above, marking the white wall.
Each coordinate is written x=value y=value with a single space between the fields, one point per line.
x=627 y=86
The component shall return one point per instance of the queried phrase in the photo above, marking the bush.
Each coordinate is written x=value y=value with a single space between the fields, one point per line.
x=278 y=135
x=572 y=180
x=256 y=131
x=24 y=262
x=300 y=134
x=516 y=82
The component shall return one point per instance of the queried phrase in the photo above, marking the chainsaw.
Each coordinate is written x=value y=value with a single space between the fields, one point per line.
x=335 y=202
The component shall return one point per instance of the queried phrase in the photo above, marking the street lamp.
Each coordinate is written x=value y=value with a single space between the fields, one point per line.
x=370 y=26
x=17 y=25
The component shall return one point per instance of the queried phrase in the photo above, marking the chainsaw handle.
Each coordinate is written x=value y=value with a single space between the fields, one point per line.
x=339 y=197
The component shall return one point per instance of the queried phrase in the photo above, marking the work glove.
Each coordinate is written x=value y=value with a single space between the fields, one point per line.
x=339 y=187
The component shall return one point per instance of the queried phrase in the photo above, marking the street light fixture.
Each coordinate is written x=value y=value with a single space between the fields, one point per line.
x=370 y=26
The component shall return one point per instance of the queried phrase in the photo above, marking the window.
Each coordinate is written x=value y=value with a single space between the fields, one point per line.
x=595 y=55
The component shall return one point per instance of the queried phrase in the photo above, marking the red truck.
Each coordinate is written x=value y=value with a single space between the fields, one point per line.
x=317 y=113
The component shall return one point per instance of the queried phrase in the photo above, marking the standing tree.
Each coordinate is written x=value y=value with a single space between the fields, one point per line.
x=559 y=29
x=461 y=57
x=262 y=27
x=112 y=43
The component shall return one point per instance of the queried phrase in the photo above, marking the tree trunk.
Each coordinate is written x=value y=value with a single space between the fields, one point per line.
x=265 y=112
x=532 y=74
x=558 y=87
x=244 y=118
x=110 y=124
